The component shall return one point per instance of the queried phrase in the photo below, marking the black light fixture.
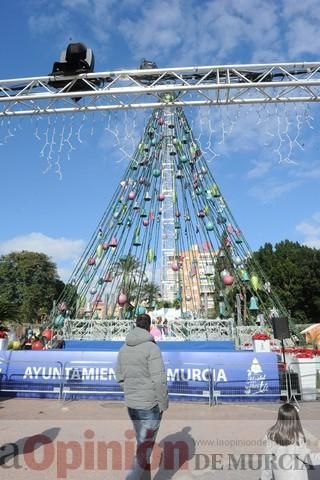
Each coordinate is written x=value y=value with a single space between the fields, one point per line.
x=76 y=59
x=147 y=64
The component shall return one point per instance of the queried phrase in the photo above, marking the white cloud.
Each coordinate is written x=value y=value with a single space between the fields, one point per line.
x=311 y=231
x=307 y=170
x=63 y=251
x=211 y=31
x=94 y=17
x=272 y=189
x=57 y=248
x=44 y=23
x=260 y=169
x=303 y=37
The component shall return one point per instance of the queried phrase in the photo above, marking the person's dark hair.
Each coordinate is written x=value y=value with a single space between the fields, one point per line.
x=288 y=429
x=143 y=321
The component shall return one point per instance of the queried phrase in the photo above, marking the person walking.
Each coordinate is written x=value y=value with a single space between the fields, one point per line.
x=287 y=455
x=141 y=374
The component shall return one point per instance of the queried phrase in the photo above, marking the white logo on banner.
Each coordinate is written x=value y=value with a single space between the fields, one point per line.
x=256 y=380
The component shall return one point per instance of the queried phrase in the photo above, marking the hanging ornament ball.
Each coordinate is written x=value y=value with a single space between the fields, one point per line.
x=209 y=226
x=105 y=245
x=215 y=190
x=93 y=291
x=59 y=321
x=113 y=242
x=156 y=172
x=188 y=298
x=107 y=277
x=62 y=307
x=224 y=273
x=237 y=260
x=183 y=158
x=47 y=333
x=228 y=280
x=204 y=170
x=178 y=214
x=122 y=299
x=99 y=250
x=150 y=255
x=175 y=266
x=254 y=280
x=245 y=276
x=15 y=345
x=140 y=310
x=145 y=222
x=91 y=261
x=37 y=345
x=142 y=180
x=230 y=228
x=253 y=306
x=161 y=121
x=132 y=195
x=161 y=197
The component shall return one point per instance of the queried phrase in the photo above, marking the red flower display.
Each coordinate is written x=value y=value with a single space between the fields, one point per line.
x=305 y=353
x=260 y=336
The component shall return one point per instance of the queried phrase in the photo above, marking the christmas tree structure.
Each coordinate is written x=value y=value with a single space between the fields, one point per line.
x=167 y=238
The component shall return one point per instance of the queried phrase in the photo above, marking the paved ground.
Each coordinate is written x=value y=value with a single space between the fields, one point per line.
x=48 y=439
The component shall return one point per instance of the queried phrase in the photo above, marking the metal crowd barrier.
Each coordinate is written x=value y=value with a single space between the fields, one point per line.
x=254 y=387
x=31 y=381
x=186 y=382
x=85 y=379
x=190 y=382
x=304 y=379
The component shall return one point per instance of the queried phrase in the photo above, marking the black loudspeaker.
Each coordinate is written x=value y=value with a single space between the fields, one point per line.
x=280 y=326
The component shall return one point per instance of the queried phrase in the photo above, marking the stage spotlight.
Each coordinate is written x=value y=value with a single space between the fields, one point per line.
x=76 y=59
x=147 y=64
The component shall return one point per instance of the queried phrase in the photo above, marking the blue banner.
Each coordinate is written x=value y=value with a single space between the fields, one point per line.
x=91 y=374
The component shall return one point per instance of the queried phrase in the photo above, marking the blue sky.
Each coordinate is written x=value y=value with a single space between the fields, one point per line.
x=265 y=160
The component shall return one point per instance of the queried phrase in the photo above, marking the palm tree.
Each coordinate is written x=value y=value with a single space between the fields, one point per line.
x=129 y=269
x=150 y=292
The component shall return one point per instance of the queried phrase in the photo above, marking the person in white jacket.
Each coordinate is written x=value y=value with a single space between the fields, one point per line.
x=287 y=456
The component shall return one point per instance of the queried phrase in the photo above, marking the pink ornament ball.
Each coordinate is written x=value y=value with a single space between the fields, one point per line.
x=132 y=195
x=122 y=299
x=228 y=280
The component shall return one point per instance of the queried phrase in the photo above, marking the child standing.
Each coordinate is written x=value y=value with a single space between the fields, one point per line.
x=287 y=455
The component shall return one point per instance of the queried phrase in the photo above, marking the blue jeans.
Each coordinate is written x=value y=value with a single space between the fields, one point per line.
x=146 y=424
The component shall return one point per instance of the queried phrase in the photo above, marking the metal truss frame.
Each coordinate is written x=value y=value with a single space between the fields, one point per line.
x=116 y=329
x=170 y=87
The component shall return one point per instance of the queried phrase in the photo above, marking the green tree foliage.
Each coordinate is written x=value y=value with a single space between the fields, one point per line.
x=150 y=293
x=7 y=312
x=29 y=283
x=294 y=273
